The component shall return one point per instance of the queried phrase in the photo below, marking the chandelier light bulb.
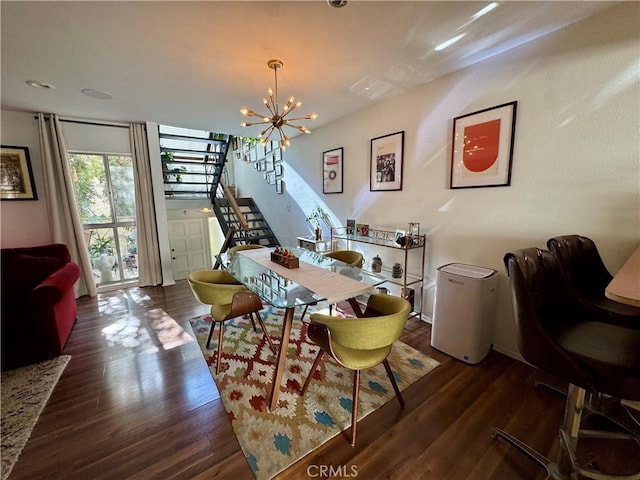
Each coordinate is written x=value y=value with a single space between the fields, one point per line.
x=278 y=117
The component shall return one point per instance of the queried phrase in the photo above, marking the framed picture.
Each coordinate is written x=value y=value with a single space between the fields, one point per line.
x=269 y=165
x=332 y=170
x=482 y=149
x=278 y=169
x=16 y=176
x=279 y=186
x=386 y=162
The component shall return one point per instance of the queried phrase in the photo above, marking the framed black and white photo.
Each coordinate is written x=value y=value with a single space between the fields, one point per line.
x=16 y=176
x=386 y=162
x=332 y=169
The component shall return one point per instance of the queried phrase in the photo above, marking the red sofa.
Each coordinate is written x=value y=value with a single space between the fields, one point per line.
x=38 y=305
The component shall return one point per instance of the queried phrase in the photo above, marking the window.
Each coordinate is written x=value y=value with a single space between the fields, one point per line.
x=105 y=193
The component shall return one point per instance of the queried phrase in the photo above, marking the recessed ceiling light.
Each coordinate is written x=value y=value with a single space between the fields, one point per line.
x=90 y=92
x=36 y=84
x=338 y=3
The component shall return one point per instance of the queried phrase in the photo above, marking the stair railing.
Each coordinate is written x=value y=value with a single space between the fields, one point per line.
x=234 y=206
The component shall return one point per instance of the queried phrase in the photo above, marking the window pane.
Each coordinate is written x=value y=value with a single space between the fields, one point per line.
x=122 y=187
x=129 y=251
x=102 y=250
x=91 y=188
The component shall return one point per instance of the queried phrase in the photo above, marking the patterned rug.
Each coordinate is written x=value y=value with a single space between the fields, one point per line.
x=271 y=441
x=25 y=392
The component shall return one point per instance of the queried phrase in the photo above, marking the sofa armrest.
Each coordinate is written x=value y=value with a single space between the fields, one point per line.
x=53 y=288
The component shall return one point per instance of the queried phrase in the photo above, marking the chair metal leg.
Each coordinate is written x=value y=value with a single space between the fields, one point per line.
x=304 y=312
x=213 y=326
x=522 y=447
x=567 y=466
x=219 y=348
x=264 y=331
x=354 y=406
x=387 y=367
x=313 y=369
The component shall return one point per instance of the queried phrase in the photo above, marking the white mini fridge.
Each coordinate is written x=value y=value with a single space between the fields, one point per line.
x=463 y=311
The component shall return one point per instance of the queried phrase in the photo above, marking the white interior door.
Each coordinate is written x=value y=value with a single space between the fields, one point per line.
x=189 y=246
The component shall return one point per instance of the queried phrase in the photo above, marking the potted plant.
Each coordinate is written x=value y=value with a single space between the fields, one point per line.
x=175 y=172
x=316 y=216
x=101 y=249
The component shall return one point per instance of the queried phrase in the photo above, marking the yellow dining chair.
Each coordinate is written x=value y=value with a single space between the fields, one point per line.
x=249 y=246
x=228 y=299
x=353 y=258
x=360 y=343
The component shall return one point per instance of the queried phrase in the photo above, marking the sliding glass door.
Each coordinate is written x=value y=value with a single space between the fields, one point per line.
x=104 y=188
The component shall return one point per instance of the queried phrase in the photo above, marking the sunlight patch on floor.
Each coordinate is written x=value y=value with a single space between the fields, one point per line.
x=158 y=330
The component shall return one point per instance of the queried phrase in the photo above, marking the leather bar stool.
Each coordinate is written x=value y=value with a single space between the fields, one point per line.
x=564 y=337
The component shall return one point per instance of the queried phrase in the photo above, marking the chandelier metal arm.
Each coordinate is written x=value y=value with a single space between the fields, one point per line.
x=277 y=118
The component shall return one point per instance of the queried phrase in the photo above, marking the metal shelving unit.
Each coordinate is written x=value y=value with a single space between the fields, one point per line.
x=414 y=247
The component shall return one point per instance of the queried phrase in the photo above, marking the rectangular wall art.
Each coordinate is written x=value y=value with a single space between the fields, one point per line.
x=483 y=147
x=16 y=177
x=332 y=168
x=386 y=162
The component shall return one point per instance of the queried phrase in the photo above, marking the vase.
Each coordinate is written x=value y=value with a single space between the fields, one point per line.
x=376 y=264
x=396 y=271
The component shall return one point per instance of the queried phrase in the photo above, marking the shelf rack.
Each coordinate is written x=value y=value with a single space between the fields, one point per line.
x=387 y=239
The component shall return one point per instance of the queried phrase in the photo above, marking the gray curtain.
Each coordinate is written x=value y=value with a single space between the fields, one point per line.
x=64 y=217
x=149 y=270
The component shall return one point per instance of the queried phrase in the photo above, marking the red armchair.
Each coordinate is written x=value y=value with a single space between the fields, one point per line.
x=38 y=305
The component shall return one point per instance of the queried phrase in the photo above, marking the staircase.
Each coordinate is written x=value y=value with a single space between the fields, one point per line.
x=241 y=220
x=192 y=165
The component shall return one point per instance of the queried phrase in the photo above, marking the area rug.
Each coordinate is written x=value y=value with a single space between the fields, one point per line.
x=24 y=393
x=271 y=441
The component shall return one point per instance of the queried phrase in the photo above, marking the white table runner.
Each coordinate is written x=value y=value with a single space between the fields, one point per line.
x=330 y=285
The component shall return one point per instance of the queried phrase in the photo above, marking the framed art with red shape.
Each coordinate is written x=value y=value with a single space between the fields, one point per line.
x=332 y=168
x=482 y=151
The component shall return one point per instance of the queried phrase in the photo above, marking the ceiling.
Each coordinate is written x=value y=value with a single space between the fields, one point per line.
x=194 y=64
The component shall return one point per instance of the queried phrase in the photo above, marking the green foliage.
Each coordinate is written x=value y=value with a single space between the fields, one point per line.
x=90 y=185
x=100 y=244
x=316 y=216
x=167 y=172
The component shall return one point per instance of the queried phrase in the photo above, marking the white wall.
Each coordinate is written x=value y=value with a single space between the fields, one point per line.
x=575 y=165
x=24 y=222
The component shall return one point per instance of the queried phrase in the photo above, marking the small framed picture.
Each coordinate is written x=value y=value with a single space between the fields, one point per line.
x=269 y=165
x=16 y=176
x=332 y=170
x=279 y=186
x=482 y=150
x=386 y=162
x=278 y=169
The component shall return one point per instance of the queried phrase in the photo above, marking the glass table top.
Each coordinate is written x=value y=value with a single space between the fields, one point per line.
x=280 y=291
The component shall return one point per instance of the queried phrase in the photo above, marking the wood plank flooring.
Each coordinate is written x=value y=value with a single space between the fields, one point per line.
x=137 y=402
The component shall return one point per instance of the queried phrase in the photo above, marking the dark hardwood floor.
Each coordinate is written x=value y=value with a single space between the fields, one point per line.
x=137 y=401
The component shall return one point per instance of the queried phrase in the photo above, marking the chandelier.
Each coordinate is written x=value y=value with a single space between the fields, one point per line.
x=277 y=118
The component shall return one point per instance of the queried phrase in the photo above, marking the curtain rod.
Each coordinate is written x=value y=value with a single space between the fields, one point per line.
x=87 y=121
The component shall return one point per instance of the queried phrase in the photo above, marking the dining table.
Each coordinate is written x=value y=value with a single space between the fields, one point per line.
x=317 y=278
x=625 y=285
